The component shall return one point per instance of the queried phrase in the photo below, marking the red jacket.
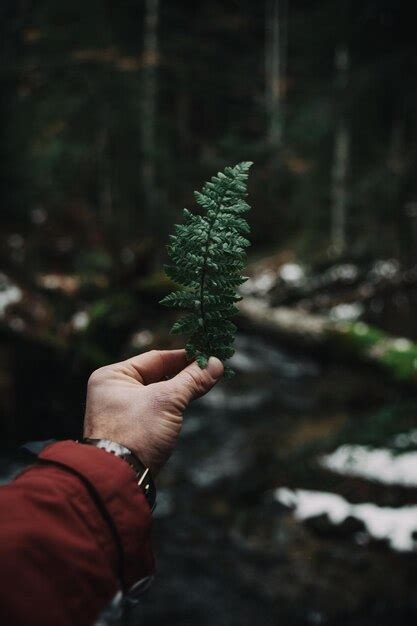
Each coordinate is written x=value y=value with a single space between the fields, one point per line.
x=74 y=530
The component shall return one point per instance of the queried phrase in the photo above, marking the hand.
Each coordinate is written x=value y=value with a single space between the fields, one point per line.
x=134 y=404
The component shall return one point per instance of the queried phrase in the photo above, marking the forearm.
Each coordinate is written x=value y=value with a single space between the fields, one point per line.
x=75 y=530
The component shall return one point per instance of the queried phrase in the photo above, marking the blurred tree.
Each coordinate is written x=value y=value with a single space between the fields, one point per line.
x=148 y=114
x=275 y=70
x=341 y=155
x=116 y=111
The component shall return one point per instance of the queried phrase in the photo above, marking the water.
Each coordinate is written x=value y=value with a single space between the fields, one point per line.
x=228 y=551
x=231 y=552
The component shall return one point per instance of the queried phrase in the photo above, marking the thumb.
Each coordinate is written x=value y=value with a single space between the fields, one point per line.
x=193 y=382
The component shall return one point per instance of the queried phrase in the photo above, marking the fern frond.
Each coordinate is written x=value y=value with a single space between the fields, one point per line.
x=208 y=254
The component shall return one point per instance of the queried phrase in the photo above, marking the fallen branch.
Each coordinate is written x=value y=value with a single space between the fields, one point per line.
x=284 y=322
x=397 y=355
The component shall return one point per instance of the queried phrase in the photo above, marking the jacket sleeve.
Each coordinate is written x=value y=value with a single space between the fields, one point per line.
x=74 y=530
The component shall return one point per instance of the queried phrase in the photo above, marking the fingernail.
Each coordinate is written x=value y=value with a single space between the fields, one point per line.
x=215 y=367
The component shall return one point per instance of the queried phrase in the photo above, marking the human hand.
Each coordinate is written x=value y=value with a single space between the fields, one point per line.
x=133 y=403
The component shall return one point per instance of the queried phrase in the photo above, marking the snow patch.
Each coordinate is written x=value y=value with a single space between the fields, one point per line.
x=386 y=269
x=379 y=464
x=9 y=294
x=346 y=312
x=291 y=272
x=259 y=285
x=80 y=320
x=394 y=525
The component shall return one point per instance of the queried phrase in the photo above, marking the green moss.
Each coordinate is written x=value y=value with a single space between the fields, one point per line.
x=397 y=355
x=403 y=363
x=363 y=336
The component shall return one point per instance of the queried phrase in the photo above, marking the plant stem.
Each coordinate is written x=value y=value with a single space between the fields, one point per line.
x=203 y=273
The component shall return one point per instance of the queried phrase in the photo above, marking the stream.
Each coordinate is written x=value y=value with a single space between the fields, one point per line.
x=274 y=508
x=252 y=527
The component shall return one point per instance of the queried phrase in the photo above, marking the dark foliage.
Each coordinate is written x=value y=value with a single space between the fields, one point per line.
x=208 y=254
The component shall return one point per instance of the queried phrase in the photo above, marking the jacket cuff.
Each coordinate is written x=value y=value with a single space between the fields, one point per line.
x=114 y=483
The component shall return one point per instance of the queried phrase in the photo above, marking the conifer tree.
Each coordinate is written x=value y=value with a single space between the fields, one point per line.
x=208 y=256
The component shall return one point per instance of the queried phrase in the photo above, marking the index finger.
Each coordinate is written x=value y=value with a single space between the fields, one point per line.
x=153 y=366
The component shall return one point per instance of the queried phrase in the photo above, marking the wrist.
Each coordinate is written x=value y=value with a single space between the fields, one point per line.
x=143 y=473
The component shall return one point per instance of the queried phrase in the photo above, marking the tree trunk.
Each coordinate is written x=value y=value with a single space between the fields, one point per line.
x=398 y=164
x=104 y=174
x=341 y=157
x=148 y=121
x=183 y=111
x=275 y=61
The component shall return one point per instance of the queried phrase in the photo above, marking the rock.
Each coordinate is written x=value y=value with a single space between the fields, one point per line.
x=320 y=524
x=350 y=526
x=324 y=527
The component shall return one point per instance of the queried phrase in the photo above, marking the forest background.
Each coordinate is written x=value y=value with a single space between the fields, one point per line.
x=114 y=112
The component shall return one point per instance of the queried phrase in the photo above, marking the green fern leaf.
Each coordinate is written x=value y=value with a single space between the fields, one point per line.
x=208 y=254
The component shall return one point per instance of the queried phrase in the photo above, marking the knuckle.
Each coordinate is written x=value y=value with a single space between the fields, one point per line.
x=156 y=354
x=93 y=378
x=97 y=375
x=152 y=356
